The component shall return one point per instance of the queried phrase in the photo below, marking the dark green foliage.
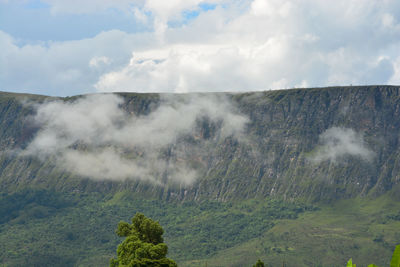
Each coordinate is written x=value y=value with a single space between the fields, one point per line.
x=37 y=203
x=395 y=217
x=40 y=259
x=328 y=236
x=193 y=230
x=259 y=263
x=213 y=226
x=143 y=245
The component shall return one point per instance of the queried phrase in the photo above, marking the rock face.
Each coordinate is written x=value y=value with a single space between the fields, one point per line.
x=313 y=144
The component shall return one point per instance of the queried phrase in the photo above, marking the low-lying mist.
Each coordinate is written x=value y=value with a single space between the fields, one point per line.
x=339 y=142
x=95 y=137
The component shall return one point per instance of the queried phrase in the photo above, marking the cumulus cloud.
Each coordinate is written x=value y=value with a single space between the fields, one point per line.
x=156 y=12
x=235 y=46
x=270 y=45
x=93 y=136
x=97 y=62
x=64 y=68
x=339 y=142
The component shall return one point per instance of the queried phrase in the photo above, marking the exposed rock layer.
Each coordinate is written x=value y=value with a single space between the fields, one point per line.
x=280 y=154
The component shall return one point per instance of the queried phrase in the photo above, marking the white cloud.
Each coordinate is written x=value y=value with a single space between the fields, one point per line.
x=64 y=68
x=339 y=142
x=94 y=137
x=388 y=20
x=271 y=8
x=274 y=44
x=395 y=79
x=238 y=46
x=97 y=61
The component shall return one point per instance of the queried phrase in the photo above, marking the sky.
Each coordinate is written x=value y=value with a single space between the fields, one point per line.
x=69 y=47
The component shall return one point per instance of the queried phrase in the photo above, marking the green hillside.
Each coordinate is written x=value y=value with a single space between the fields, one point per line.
x=79 y=230
x=363 y=229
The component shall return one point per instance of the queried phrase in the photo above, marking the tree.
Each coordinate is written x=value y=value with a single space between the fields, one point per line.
x=396 y=257
x=259 y=263
x=350 y=263
x=143 y=245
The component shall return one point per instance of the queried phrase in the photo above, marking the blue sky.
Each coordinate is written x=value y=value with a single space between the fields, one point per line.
x=60 y=47
x=32 y=21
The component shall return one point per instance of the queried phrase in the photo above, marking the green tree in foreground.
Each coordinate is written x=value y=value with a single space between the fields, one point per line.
x=143 y=245
x=259 y=263
x=396 y=257
x=395 y=262
x=350 y=263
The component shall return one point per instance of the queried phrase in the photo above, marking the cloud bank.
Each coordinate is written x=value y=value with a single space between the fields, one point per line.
x=93 y=136
x=214 y=45
x=337 y=143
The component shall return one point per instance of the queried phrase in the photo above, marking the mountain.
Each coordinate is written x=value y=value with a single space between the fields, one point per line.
x=318 y=144
x=251 y=161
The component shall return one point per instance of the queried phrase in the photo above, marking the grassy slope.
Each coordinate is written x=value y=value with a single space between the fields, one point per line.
x=78 y=230
x=44 y=228
x=361 y=229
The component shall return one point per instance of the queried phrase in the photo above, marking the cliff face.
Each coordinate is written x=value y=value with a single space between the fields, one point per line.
x=305 y=139
x=314 y=144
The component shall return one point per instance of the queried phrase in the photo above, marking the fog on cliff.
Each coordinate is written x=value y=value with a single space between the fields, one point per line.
x=336 y=143
x=93 y=136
